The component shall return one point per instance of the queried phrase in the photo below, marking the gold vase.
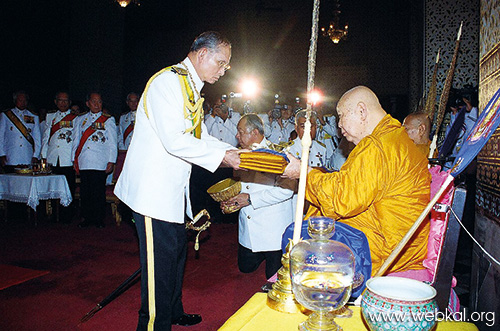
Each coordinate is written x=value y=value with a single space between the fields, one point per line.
x=281 y=297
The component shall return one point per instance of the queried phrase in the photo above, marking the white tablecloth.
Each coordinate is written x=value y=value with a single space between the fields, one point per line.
x=32 y=189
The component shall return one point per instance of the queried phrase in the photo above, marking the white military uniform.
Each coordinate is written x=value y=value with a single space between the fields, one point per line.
x=317 y=152
x=277 y=134
x=328 y=134
x=336 y=160
x=59 y=146
x=158 y=163
x=224 y=130
x=125 y=120
x=13 y=144
x=262 y=223
x=100 y=147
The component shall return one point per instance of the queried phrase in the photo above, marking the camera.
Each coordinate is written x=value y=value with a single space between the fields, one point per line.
x=468 y=92
x=235 y=95
x=276 y=112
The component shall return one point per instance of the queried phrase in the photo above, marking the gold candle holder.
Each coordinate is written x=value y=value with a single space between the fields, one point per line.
x=281 y=297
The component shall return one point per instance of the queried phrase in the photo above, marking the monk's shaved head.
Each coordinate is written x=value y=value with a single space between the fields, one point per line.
x=418 y=127
x=360 y=94
x=359 y=113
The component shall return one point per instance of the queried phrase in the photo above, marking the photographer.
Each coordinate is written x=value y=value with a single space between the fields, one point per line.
x=223 y=121
x=281 y=123
x=463 y=116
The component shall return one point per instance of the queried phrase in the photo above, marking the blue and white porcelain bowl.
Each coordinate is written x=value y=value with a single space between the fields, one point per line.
x=401 y=304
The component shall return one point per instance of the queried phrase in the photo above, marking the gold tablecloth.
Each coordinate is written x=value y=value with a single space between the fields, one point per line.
x=255 y=315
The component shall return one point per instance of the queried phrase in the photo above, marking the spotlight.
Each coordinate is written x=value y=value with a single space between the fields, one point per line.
x=314 y=97
x=249 y=87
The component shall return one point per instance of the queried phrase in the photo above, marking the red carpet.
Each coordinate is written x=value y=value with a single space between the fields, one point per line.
x=87 y=264
x=12 y=275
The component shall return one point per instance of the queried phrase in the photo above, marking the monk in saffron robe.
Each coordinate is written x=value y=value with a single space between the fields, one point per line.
x=418 y=127
x=383 y=186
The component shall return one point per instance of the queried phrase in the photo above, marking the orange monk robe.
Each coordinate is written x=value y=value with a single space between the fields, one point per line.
x=425 y=148
x=381 y=190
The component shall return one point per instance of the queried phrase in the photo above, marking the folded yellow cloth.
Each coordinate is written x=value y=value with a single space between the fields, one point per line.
x=262 y=161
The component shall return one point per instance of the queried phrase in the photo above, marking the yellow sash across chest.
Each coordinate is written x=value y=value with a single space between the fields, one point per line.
x=193 y=110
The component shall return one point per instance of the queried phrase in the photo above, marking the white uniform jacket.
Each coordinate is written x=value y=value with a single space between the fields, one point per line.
x=100 y=148
x=155 y=177
x=277 y=134
x=262 y=223
x=13 y=145
x=59 y=146
x=125 y=120
x=317 y=152
x=224 y=130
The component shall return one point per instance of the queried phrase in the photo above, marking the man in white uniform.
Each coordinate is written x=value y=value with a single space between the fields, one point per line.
x=20 y=137
x=94 y=154
x=317 y=151
x=127 y=120
x=266 y=206
x=57 y=142
x=169 y=137
x=278 y=128
x=221 y=124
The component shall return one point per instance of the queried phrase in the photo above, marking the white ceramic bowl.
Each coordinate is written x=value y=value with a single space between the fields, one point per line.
x=396 y=303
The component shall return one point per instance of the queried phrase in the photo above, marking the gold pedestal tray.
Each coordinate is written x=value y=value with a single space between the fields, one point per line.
x=281 y=297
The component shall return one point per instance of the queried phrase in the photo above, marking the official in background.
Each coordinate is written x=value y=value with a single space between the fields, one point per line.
x=127 y=121
x=317 y=151
x=169 y=137
x=20 y=136
x=222 y=123
x=94 y=154
x=57 y=143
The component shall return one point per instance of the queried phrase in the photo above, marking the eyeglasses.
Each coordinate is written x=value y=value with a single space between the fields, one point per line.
x=62 y=100
x=223 y=65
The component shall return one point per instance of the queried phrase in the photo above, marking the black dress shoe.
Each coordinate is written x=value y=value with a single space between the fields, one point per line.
x=187 y=320
x=267 y=287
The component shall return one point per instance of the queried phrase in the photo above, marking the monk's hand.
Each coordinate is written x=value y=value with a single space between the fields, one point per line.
x=292 y=170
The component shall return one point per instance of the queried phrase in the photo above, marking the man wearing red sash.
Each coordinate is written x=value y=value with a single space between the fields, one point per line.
x=94 y=154
x=20 y=138
x=57 y=142
x=127 y=120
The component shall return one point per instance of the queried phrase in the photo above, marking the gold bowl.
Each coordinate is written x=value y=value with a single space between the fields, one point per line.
x=23 y=170
x=225 y=189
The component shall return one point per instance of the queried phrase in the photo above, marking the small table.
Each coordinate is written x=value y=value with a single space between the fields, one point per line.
x=255 y=315
x=30 y=189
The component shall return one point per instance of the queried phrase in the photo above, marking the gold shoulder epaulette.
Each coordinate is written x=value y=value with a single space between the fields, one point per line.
x=106 y=114
x=322 y=144
x=179 y=70
x=84 y=113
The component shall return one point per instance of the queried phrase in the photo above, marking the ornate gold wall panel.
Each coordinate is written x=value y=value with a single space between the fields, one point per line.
x=488 y=169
